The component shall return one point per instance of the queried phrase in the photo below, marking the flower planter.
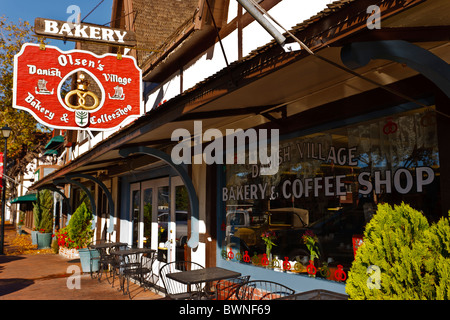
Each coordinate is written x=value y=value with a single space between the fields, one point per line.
x=44 y=240
x=19 y=230
x=34 y=235
x=85 y=259
x=84 y=255
x=69 y=253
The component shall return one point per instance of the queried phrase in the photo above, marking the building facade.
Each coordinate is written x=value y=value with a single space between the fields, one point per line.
x=361 y=121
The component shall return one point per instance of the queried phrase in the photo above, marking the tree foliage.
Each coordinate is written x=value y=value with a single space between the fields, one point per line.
x=27 y=136
x=412 y=256
x=43 y=211
x=79 y=227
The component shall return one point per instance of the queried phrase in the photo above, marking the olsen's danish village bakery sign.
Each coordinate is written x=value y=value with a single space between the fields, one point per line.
x=107 y=91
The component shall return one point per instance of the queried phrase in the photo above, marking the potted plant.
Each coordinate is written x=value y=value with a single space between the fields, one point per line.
x=65 y=244
x=403 y=257
x=311 y=240
x=34 y=235
x=77 y=235
x=268 y=237
x=43 y=218
x=20 y=223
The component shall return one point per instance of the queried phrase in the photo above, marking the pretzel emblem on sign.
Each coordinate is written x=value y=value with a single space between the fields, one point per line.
x=82 y=93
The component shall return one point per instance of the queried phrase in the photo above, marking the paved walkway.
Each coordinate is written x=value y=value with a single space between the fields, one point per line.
x=51 y=277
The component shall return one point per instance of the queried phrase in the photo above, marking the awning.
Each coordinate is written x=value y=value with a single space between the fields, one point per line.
x=26 y=198
x=50 y=152
x=54 y=142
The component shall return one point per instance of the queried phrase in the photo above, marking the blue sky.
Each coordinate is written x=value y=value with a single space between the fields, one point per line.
x=56 y=9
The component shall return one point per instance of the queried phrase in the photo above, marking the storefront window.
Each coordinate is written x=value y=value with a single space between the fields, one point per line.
x=136 y=198
x=163 y=214
x=309 y=217
x=148 y=209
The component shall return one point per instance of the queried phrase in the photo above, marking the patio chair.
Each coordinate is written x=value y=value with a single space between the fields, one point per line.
x=176 y=290
x=262 y=290
x=140 y=271
x=99 y=256
x=106 y=262
x=226 y=289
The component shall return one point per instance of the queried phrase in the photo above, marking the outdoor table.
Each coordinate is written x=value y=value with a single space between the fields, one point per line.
x=206 y=275
x=108 y=245
x=130 y=257
x=105 y=259
x=132 y=251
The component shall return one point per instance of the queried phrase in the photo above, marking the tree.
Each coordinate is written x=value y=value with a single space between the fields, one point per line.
x=79 y=228
x=28 y=137
x=402 y=257
x=43 y=211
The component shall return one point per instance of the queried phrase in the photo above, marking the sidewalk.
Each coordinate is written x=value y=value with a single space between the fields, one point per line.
x=45 y=276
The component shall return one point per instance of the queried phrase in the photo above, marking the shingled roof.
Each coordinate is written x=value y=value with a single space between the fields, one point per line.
x=156 y=20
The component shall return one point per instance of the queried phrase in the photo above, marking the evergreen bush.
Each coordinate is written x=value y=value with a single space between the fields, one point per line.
x=79 y=230
x=410 y=257
x=43 y=211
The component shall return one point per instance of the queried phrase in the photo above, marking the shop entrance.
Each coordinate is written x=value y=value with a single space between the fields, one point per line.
x=159 y=214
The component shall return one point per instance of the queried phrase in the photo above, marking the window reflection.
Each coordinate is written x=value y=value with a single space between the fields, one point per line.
x=326 y=190
x=147 y=194
x=136 y=198
x=163 y=214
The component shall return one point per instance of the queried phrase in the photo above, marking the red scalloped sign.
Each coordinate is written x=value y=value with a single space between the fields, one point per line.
x=39 y=76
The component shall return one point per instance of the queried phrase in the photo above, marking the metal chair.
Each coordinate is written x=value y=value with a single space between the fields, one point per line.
x=262 y=290
x=176 y=290
x=106 y=261
x=100 y=256
x=139 y=269
x=226 y=289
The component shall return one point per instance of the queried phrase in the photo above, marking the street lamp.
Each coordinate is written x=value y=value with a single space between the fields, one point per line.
x=6 y=132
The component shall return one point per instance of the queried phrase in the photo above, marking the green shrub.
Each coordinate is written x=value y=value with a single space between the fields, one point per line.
x=79 y=228
x=412 y=256
x=43 y=211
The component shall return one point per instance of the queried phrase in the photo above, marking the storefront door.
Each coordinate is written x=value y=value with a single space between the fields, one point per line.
x=159 y=210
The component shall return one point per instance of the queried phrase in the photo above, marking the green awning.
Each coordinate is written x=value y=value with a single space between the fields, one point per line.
x=26 y=198
x=50 y=152
x=54 y=142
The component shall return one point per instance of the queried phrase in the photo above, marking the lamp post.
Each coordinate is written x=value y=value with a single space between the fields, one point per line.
x=6 y=132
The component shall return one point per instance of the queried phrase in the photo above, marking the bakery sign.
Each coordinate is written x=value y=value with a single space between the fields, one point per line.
x=77 y=89
x=84 y=32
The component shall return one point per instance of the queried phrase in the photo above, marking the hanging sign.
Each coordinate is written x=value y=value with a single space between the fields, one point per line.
x=84 y=32
x=107 y=91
